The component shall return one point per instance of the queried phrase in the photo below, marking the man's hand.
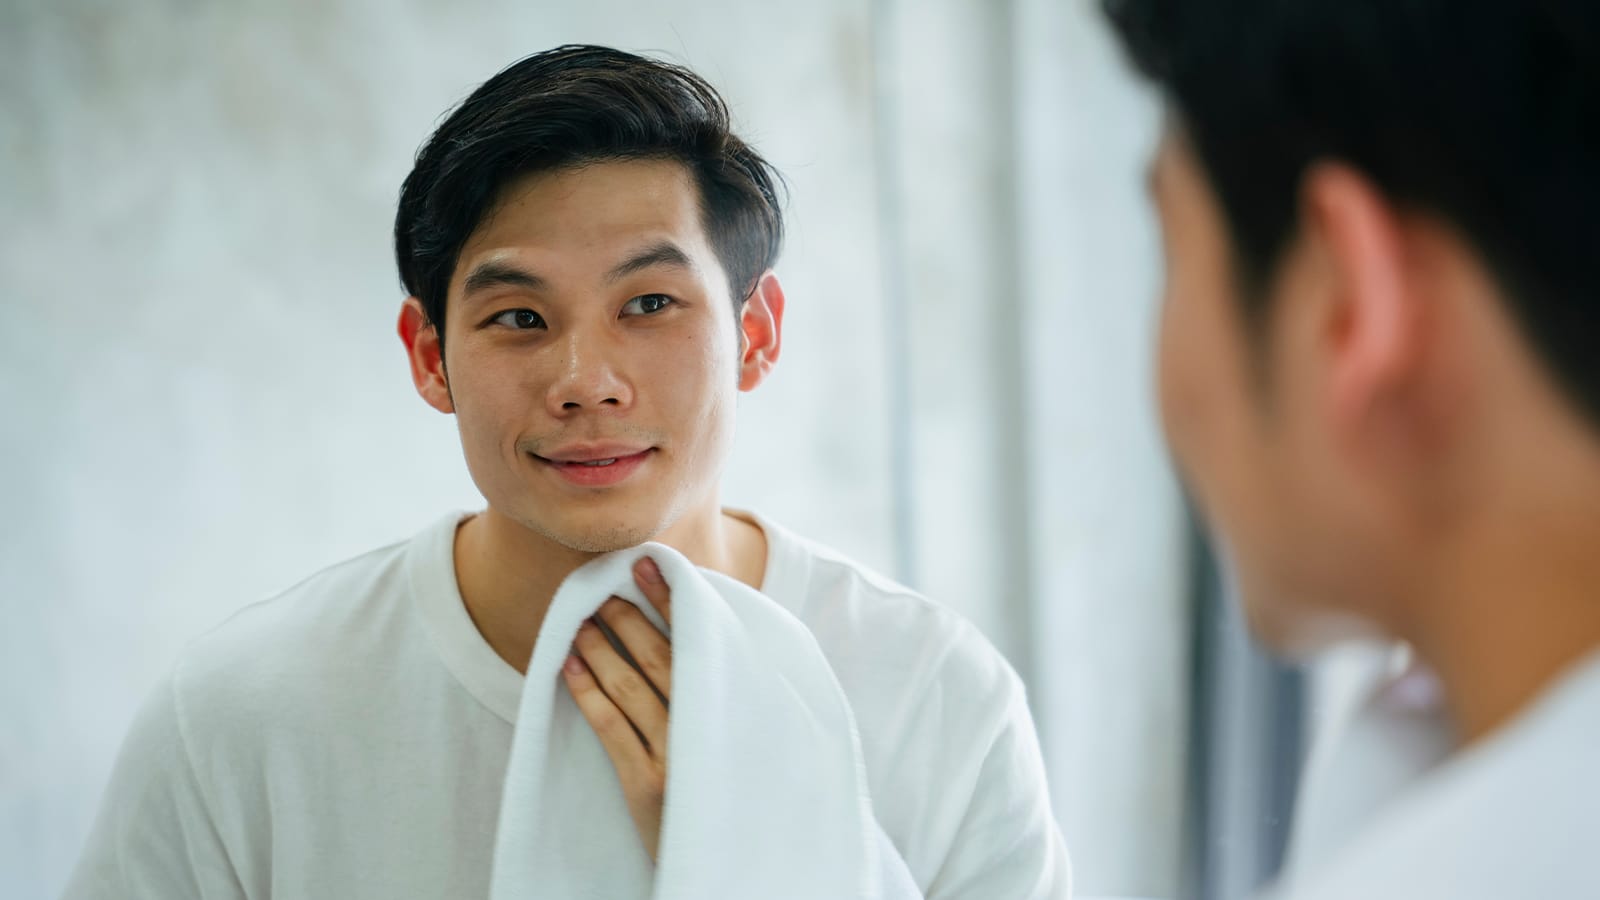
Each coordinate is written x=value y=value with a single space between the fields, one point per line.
x=625 y=697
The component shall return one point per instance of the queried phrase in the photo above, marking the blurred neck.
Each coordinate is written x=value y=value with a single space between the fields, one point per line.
x=1512 y=599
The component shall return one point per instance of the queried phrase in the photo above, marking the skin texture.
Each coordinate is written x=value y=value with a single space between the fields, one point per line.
x=589 y=317
x=1381 y=452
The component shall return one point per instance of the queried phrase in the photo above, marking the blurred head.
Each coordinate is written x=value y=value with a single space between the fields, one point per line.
x=588 y=250
x=1378 y=218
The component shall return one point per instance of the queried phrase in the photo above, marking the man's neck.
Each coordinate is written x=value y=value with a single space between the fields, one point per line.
x=508 y=574
x=1515 y=603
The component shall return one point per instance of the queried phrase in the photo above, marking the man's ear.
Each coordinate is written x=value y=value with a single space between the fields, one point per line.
x=1375 y=328
x=761 y=324
x=426 y=354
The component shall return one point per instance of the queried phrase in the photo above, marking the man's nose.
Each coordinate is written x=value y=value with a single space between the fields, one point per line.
x=589 y=377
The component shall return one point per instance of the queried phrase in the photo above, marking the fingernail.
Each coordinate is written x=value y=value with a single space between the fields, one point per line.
x=574 y=665
x=647 y=569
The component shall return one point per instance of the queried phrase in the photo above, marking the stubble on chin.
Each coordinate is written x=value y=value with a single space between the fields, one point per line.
x=608 y=541
x=600 y=538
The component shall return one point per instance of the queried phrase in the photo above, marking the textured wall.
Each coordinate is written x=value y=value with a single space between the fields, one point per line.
x=204 y=400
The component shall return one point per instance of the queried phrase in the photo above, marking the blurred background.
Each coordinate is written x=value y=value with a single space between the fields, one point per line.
x=205 y=400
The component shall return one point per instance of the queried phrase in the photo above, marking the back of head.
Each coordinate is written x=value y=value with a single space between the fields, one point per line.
x=568 y=107
x=1484 y=113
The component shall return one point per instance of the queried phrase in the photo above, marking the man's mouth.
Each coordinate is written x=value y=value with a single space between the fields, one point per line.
x=585 y=465
x=593 y=454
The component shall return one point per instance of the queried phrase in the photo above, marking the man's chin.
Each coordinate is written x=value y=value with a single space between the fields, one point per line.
x=604 y=542
x=599 y=537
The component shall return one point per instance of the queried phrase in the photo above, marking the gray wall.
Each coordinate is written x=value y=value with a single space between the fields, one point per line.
x=205 y=401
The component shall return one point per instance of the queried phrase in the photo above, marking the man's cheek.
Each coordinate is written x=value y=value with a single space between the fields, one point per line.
x=1176 y=387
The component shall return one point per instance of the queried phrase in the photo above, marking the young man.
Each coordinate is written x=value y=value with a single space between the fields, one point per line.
x=1380 y=375
x=588 y=252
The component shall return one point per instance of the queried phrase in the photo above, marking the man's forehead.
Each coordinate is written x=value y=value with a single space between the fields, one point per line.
x=650 y=189
x=600 y=209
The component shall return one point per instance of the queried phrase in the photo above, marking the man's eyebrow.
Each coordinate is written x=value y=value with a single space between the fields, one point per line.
x=664 y=253
x=497 y=274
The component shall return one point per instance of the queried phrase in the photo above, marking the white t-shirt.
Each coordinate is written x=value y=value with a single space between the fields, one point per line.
x=1398 y=813
x=348 y=738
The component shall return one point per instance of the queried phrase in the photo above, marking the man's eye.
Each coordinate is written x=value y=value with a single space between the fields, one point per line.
x=521 y=319
x=645 y=305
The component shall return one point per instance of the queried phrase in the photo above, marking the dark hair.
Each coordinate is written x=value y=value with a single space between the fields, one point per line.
x=1485 y=113
x=567 y=107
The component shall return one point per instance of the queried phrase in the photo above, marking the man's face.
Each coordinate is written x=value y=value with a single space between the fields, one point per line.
x=592 y=354
x=1238 y=404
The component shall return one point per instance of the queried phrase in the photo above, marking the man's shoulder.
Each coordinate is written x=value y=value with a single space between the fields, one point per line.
x=271 y=650
x=822 y=584
x=317 y=606
x=940 y=713
x=866 y=620
x=1475 y=817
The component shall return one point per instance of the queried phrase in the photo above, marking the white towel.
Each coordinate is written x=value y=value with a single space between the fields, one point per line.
x=766 y=793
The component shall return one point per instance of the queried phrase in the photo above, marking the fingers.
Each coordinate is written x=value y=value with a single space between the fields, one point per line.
x=624 y=686
x=616 y=733
x=650 y=649
x=643 y=776
x=647 y=575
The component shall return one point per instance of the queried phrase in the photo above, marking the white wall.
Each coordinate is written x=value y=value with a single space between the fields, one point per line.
x=1043 y=494
x=1110 y=611
x=204 y=400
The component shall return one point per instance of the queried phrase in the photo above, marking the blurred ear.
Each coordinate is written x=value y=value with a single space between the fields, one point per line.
x=1374 y=328
x=761 y=322
x=426 y=354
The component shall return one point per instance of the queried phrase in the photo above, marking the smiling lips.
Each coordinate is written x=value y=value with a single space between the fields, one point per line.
x=596 y=466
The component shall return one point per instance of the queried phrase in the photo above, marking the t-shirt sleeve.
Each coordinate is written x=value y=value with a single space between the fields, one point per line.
x=154 y=836
x=1007 y=845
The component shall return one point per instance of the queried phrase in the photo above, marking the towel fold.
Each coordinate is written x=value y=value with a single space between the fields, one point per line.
x=766 y=792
